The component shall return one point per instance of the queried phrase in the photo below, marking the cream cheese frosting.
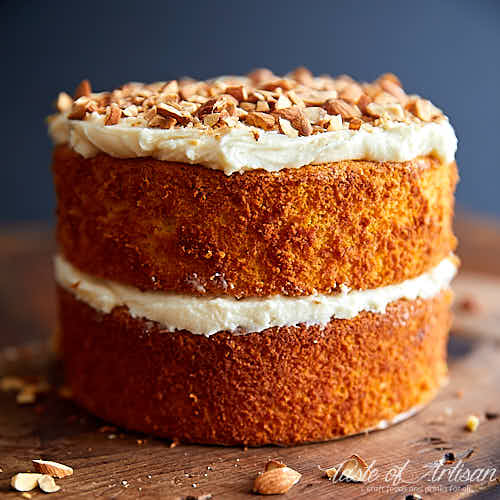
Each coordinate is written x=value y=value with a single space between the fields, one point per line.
x=243 y=148
x=209 y=315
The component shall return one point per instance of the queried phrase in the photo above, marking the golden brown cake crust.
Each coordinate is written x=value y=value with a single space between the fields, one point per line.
x=283 y=385
x=186 y=228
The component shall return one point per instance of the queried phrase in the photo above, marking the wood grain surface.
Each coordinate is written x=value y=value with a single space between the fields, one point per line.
x=111 y=463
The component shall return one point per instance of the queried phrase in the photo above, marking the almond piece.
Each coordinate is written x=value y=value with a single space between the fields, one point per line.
x=355 y=123
x=274 y=464
x=331 y=473
x=211 y=119
x=295 y=98
x=262 y=107
x=261 y=120
x=276 y=481
x=353 y=469
x=282 y=103
x=47 y=484
x=64 y=102
x=302 y=75
x=297 y=118
x=131 y=111
x=335 y=123
x=260 y=75
x=376 y=110
x=239 y=92
x=286 y=128
x=84 y=89
x=316 y=115
x=351 y=93
x=363 y=102
x=423 y=109
x=282 y=83
x=167 y=110
x=52 y=468
x=113 y=114
x=79 y=108
x=391 y=77
x=25 y=481
x=161 y=122
x=248 y=106
x=342 y=108
x=394 y=89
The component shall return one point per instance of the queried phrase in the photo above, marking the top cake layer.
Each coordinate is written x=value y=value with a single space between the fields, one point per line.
x=260 y=121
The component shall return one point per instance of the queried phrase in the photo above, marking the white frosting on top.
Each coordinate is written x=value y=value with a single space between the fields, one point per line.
x=209 y=315
x=243 y=148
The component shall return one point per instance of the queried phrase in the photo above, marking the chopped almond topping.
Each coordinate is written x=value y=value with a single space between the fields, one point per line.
x=312 y=104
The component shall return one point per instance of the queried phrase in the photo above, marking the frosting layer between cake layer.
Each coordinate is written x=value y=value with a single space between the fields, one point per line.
x=244 y=148
x=209 y=315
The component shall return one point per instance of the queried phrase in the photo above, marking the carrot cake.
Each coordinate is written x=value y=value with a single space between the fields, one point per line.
x=254 y=260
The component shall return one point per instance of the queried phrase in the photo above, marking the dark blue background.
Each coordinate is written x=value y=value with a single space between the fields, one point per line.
x=448 y=51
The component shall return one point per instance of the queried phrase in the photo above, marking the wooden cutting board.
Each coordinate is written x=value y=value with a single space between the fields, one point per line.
x=113 y=463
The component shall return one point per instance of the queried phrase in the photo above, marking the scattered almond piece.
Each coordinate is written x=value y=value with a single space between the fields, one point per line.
x=52 y=468
x=276 y=481
x=472 y=423
x=274 y=464
x=25 y=481
x=47 y=484
x=353 y=470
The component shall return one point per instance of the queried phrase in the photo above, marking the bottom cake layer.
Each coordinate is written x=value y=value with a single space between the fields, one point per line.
x=283 y=385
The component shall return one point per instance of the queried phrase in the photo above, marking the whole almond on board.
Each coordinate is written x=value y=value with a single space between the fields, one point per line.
x=25 y=481
x=276 y=481
x=47 y=484
x=52 y=468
